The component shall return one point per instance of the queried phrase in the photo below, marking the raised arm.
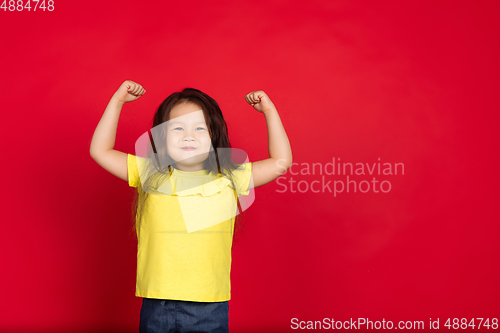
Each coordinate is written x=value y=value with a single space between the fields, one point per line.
x=280 y=152
x=103 y=141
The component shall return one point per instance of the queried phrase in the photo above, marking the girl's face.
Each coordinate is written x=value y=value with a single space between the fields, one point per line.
x=188 y=139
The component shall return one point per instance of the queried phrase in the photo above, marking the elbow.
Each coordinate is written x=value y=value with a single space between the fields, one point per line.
x=288 y=161
x=92 y=149
x=92 y=153
x=95 y=153
x=284 y=164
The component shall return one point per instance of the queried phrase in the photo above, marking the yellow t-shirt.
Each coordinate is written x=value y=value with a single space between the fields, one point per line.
x=186 y=233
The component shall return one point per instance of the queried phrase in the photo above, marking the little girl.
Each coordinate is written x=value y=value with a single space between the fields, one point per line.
x=189 y=191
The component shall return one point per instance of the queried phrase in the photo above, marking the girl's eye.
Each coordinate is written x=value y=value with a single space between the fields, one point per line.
x=201 y=128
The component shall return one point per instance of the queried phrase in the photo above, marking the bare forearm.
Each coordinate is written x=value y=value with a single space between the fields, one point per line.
x=105 y=132
x=278 y=144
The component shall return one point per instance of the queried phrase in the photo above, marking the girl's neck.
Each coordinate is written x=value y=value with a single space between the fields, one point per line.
x=189 y=168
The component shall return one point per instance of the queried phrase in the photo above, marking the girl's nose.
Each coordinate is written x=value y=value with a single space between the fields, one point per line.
x=188 y=135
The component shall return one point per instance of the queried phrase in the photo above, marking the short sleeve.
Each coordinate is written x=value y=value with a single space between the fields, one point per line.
x=242 y=178
x=133 y=171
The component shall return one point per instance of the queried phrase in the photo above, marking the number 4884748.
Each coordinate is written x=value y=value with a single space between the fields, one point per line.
x=20 y=6
x=457 y=323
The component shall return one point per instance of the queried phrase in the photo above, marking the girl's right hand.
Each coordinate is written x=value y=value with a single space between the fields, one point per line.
x=129 y=91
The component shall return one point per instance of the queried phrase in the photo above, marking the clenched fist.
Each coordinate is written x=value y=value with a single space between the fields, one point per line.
x=260 y=101
x=129 y=91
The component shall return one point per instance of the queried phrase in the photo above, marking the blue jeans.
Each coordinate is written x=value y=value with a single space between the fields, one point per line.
x=172 y=316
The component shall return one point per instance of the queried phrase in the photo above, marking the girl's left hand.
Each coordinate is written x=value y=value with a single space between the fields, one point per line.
x=260 y=101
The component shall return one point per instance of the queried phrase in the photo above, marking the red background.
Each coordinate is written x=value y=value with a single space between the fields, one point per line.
x=414 y=83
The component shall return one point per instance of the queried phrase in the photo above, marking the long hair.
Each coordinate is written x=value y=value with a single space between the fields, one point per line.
x=219 y=161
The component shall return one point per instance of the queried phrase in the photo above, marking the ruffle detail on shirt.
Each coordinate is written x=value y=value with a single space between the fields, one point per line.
x=204 y=185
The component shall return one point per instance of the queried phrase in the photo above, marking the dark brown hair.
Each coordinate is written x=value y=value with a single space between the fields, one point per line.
x=219 y=161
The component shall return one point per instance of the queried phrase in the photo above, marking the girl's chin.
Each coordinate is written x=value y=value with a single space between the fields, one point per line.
x=190 y=161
